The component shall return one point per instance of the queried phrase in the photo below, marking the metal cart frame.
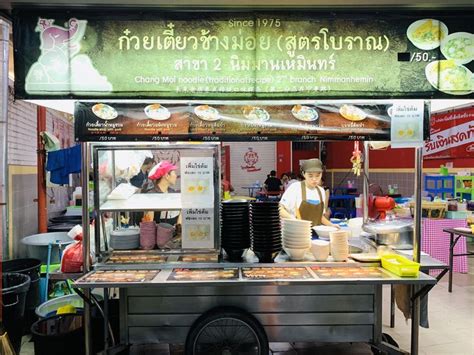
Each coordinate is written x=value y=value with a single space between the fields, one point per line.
x=292 y=289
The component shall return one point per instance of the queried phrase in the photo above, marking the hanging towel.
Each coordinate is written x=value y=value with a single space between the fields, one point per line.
x=402 y=299
x=63 y=162
x=56 y=165
x=73 y=156
x=51 y=142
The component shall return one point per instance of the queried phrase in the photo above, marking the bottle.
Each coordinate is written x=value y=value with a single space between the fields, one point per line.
x=77 y=196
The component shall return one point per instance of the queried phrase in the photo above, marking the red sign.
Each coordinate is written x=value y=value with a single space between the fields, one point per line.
x=250 y=159
x=451 y=135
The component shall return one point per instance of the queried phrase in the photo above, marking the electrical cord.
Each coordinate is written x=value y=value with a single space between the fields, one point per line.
x=95 y=302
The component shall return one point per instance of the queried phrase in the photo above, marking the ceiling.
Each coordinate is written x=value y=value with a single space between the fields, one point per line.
x=7 y=5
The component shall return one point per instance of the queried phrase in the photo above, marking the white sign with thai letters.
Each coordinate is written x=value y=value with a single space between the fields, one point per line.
x=197 y=182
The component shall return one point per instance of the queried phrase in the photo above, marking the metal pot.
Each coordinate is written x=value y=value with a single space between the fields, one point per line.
x=397 y=234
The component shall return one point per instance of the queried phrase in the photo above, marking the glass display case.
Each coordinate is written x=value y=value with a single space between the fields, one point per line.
x=156 y=199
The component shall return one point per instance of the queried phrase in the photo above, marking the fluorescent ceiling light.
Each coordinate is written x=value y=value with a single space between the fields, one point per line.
x=58 y=105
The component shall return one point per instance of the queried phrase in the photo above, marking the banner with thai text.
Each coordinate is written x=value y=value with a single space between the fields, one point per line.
x=451 y=135
x=82 y=54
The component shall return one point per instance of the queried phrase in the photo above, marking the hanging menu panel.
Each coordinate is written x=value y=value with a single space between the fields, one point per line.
x=242 y=120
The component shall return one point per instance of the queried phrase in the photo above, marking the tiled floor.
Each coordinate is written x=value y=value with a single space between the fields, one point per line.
x=451 y=332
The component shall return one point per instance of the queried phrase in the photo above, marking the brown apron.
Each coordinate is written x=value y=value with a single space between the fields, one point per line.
x=308 y=211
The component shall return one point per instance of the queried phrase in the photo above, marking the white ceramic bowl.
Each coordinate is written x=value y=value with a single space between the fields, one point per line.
x=295 y=222
x=292 y=229
x=296 y=235
x=295 y=254
x=297 y=239
x=323 y=231
x=320 y=249
x=303 y=244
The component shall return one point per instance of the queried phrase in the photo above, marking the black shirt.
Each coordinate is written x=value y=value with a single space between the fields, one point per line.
x=139 y=179
x=273 y=184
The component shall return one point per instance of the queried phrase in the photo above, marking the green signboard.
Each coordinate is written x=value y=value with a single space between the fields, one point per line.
x=242 y=55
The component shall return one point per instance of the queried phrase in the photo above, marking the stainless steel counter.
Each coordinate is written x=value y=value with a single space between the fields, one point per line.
x=318 y=307
x=164 y=273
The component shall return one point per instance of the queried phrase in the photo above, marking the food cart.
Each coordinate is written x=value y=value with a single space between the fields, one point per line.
x=193 y=294
x=228 y=57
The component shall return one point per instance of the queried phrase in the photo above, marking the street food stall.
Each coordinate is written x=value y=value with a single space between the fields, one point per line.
x=234 y=265
x=229 y=276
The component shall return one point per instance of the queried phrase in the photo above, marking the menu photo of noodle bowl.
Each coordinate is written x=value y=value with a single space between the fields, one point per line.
x=104 y=111
x=427 y=34
x=207 y=113
x=256 y=114
x=157 y=112
x=449 y=77
x=459 y=47
x=304 y=113
x=352 y=113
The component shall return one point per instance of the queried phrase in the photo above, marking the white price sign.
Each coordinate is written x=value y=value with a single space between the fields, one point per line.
x=198 y=228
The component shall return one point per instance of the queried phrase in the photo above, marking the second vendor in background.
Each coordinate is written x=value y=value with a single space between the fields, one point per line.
x=163 y=175
x=306 y=200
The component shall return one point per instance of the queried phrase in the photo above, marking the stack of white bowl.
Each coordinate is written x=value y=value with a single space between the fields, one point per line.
x=296 y=236
x=339 y=245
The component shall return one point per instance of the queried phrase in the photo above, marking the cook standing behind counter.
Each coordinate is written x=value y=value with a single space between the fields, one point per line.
x=306 y=200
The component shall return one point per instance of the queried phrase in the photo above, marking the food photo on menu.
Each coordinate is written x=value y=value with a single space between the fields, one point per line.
x=204 y=274
x=455 y=51
x=354 y=117
x=259 y=273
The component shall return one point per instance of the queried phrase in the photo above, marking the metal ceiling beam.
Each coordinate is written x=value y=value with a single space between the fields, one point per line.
x=267 y=4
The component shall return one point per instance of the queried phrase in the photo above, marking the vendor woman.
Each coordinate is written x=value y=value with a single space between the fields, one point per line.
x=306 y=200
x=163 y=175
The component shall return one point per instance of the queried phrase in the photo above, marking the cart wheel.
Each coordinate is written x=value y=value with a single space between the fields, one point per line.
x=388 y=339
x=227 y=331
x=376 y=351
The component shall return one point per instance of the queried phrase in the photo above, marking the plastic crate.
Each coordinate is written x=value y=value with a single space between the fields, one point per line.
x=400 y=265
x=438 y=185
